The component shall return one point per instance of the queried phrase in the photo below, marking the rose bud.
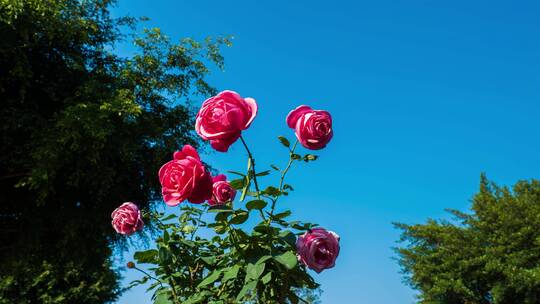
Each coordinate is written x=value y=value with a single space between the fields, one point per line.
x=130 y=265
x=222 y=118
x=318 y=249
x=222 y=192
x=185 y=178
x=313 y=128
x=126 y=219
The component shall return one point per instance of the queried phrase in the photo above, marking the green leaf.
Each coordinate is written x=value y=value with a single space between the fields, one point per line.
x=310 y=157
x=237 y=183
x=211 y=278
x=237 y=173
x=284 y=141
x=263 y=173
x=271 y=190
x=148 y=256
x=288 y=259
x=164 y=255
x=231 y=273
x=296 y=156
x=266 y=278
x=282 y=215
x=220 y=208
x=210 y=260
x=274 y=167
x=162 y=297
x=239 y=217
x=168 y=217
x=263 y=259
x=256 y=204
x=247 y=288
x=288 y=237
x=254 y=271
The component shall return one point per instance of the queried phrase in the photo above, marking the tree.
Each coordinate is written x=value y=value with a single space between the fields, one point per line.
x=81 y=131
x=491 y=255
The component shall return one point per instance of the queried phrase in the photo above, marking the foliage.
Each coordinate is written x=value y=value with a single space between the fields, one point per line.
x=81 y=129
x=237 y=263
x=489 y=256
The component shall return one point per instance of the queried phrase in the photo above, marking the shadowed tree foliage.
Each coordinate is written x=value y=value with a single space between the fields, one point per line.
x=83 y=130
x=491 y=255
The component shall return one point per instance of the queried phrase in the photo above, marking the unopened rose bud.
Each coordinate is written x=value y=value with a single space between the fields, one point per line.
x=130 y=265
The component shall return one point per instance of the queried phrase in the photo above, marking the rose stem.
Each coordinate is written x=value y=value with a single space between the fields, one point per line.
x=283 y=173
x=254 y=173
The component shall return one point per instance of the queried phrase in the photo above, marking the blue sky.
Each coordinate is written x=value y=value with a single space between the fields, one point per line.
x=425 y=96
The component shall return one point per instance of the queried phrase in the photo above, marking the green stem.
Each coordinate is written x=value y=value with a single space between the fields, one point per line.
x=198 y=222
x=148 y=275
x=283 y=174
x=254 y=173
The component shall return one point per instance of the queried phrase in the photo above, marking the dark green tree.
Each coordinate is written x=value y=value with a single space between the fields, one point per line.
x=83 y=130
x=491 y=255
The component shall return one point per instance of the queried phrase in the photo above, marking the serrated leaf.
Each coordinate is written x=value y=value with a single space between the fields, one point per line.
x=287 y=259
x=256 y=204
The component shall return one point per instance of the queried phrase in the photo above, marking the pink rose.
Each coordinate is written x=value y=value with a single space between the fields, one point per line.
x=318 y=249
x=185 y=177
x=313 y=128
x=222 y=191
x=126 y=219
x=222 y=118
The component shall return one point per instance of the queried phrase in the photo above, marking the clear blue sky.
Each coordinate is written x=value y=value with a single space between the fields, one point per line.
x=425 y=96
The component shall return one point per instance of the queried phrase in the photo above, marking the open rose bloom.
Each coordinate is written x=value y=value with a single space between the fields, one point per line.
x=318 y=249
x=126 y=219
x=185 y=178
x=222 y=191
x=313 y=128
x=222 y=118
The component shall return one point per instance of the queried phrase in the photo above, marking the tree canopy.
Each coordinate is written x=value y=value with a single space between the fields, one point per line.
x=83 y=130
x=491 y=255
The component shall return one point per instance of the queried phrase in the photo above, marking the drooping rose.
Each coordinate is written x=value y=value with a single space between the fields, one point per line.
x=313 y=128
x=222 y=118
x=126 y=219
x=185 y=178
x=222 y=191
x=318 y=249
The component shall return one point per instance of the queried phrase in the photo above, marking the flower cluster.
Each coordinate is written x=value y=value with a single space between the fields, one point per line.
x=220 y=121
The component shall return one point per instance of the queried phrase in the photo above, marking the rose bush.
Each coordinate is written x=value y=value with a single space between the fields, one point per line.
x=237 y=263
